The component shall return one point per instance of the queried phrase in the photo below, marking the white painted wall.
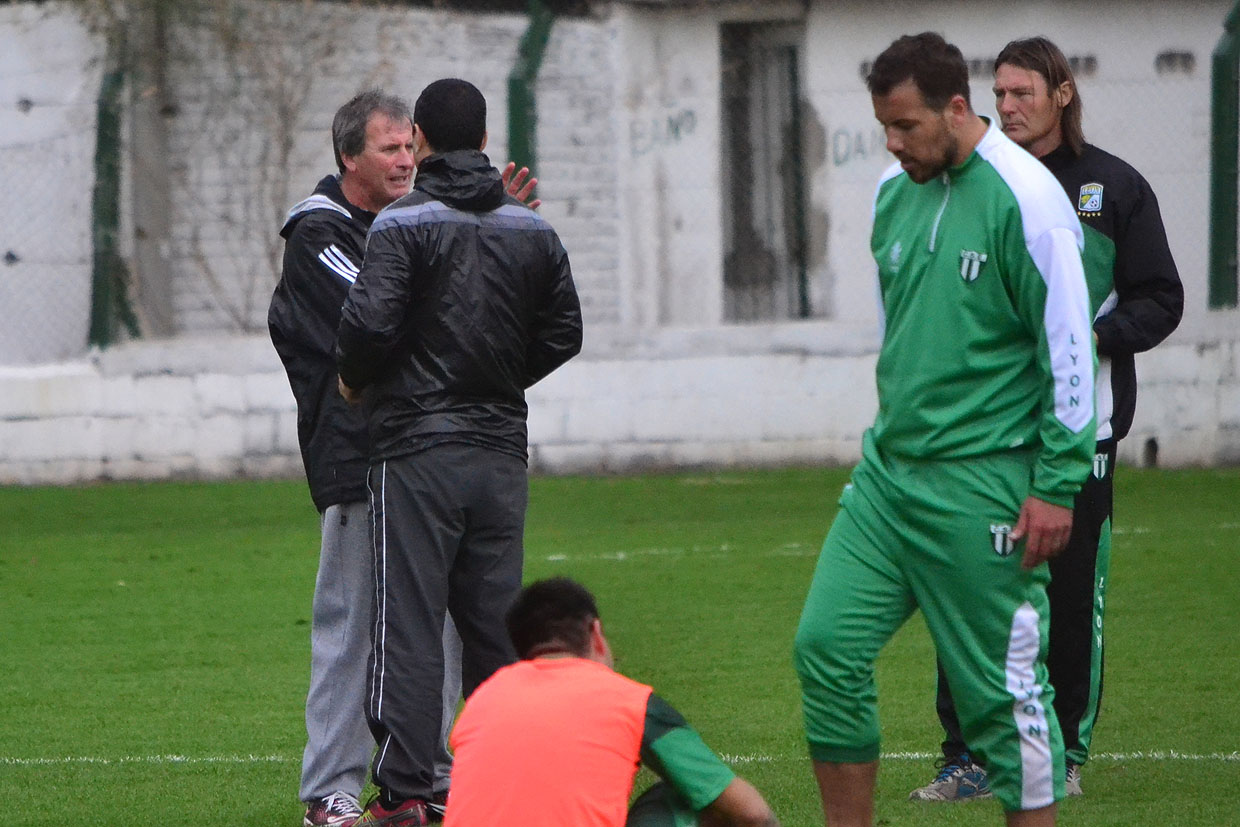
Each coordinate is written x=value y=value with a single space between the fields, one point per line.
x=221 y=407
x=668 y=144
x=1158 y=123
x=49 y=79
x=630 y=148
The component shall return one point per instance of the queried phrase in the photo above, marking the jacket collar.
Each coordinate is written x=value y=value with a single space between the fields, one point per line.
x=327 y=196
x=463 y=179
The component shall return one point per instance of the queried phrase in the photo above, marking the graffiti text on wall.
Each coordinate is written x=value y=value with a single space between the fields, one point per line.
x=848 y=145
x=649 y=134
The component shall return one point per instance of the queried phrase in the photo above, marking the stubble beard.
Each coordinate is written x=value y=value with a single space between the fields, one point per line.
x=929 y=172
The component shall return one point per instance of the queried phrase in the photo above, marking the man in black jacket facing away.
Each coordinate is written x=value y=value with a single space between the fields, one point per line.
x=465 y=299
x=325 y=235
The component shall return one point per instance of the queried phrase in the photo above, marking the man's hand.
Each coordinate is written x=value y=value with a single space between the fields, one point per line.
x=513 y=184
x=1045 y=529
x=351 y=396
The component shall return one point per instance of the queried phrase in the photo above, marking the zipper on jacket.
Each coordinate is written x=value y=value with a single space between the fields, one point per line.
x=947 y=194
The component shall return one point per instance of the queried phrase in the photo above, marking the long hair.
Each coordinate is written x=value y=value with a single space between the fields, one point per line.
x=1038 y=54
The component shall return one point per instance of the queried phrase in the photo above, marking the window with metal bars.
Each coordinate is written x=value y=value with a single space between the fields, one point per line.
x=764 y=269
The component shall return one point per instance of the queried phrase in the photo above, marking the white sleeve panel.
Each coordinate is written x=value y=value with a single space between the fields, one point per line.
x=1043 y=204
x=891 y=172
x=1066 y=320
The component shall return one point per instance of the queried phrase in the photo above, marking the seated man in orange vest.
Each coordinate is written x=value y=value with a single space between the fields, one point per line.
x=560 y=734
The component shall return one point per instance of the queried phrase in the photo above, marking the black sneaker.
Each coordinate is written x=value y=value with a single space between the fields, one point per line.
x=437 y=807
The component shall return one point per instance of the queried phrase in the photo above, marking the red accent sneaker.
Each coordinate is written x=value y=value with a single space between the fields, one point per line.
x=408 y=813
x=336 y=810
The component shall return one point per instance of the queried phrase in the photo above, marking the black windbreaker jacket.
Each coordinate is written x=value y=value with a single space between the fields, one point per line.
x=1133 y=280
x=465 y=299
x=325 y=237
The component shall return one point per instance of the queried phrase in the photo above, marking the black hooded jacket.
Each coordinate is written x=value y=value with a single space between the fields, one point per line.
x=465 y=299
x=325 y=237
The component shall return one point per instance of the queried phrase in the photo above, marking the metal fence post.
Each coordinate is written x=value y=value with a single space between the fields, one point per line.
x=1224 y=167
x=522 y=103
x=109 y=302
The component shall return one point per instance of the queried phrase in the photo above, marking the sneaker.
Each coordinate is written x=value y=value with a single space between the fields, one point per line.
x=411 y=812
x=960 y=778
x=437 y=807
x=1072 y=780
x=337 y=810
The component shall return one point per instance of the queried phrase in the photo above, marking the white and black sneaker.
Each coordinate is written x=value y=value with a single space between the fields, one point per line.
x=336 y=810
x=960 y=778
x=1072 y=780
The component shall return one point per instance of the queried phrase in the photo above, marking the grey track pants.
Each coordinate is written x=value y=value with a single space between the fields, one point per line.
x=339 y=744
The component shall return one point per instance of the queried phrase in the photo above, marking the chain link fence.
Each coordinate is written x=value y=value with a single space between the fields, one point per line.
x=738 y=175
x=48 y=82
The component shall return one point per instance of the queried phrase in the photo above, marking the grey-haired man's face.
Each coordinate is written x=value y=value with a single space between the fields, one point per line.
x=383 y=170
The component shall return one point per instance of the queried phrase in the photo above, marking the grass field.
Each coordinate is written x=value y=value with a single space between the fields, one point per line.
x=154 y=642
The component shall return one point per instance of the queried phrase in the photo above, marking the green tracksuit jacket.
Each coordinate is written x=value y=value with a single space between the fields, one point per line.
x=987 y=343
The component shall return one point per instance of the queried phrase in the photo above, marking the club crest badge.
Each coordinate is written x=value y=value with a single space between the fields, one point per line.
x=971 y=264
x=1100 y=466
x=1001 y=540
x=1091 y=198
x=894 y=256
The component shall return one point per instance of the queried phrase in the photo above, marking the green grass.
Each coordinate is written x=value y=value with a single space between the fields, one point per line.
x=154 y=641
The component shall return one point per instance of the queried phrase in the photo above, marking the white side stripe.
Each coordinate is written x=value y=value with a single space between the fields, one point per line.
x=379 y=532
x=381 y=640
x=376 y=514
x=1104 y=399
x=1068 y=333
x=1054 y=240
x=339 y=263
x=341 y=259
x=1028 y=711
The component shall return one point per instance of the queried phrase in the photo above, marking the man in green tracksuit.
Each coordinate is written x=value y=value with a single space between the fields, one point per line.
x=1137 y=300
x=984 y=434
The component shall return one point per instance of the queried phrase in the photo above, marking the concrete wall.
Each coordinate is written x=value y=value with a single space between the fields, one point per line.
x=221 y=407
x=1159 y=121
x=50 y=67
x=238 y=164
x=630 y=147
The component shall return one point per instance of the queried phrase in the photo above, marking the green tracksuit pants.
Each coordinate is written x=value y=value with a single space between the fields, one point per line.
x=932 y=535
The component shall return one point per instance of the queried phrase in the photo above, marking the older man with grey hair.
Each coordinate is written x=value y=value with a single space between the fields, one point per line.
x=325 y=239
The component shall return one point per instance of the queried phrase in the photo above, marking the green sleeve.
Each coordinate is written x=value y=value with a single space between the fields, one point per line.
x=680 y=757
